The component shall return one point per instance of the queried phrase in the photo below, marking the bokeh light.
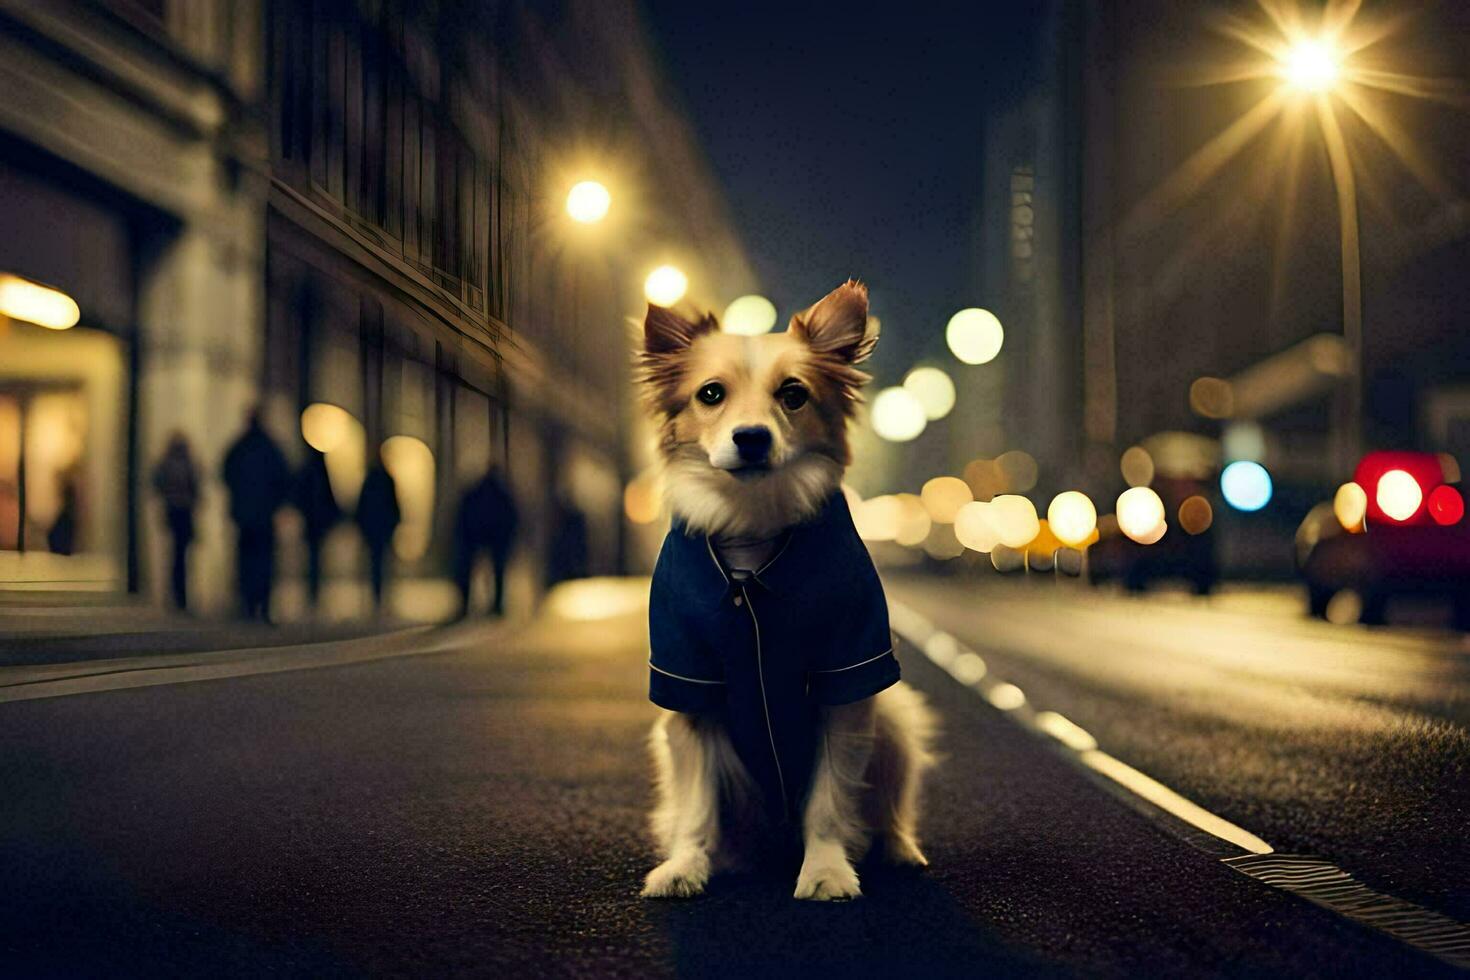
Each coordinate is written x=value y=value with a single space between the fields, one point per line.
x=1350 y=506
x=1141 y=515
x=642 y=497
x=1399 y=495
x=974 y=528
x=588 y=201
x=1137 y=466
x=897 y=415
x=1212 y=398
x=749 y=316
x=942 y=544
x=913 y=520
x=1072 y=517
x=985 y=478
x=1446 y=505
x=934 y=390
x=1246 y=485
x=325 y=427
x=1196 y=515
x=1015 y=520
x=1449 y=467
x=943 y=497
x=975 y=336
x=410 y=462
x=1019 y=470
x=665 y=286
x=21 y=299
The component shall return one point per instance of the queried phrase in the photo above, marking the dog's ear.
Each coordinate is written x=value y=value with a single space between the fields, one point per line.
x=666 y=337
x=838 y=325
x=666 y=332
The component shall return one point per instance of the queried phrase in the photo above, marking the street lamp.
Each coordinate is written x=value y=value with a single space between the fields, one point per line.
x=1314 y=66
x=588 y=202
x=665 y=285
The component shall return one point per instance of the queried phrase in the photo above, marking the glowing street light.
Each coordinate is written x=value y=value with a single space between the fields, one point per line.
x=1141 y=515
x=1311 y=65
x=665 y=286
x=588 y=202
x=21 y=299
x=1399 y=495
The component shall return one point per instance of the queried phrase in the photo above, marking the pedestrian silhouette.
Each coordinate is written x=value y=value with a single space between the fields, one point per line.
x=569 y=549
x=312 y=495
x=61 y=539
x=378 y=516
x=176 y=479
x=486 y=522
x=258 y=479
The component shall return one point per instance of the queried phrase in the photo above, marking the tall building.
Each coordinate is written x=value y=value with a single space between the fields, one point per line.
x=352 y=208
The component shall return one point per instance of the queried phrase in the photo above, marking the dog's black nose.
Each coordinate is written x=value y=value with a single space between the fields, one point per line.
x=753 y=443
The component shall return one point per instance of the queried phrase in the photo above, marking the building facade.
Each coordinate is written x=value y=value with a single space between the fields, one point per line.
x=353 y=208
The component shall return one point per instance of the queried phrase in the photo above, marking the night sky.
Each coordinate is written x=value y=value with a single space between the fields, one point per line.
x=851 y=144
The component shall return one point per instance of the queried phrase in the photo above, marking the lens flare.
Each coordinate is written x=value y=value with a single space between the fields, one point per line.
x=1399 y=495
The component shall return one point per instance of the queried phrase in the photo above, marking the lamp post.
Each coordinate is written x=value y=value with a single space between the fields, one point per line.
x=1313 y=67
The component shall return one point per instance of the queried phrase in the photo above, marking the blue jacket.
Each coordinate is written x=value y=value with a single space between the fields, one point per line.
x=809 y=628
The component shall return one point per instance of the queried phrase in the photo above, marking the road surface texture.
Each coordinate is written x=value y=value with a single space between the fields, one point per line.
x=480 y=811
x=1344 y=742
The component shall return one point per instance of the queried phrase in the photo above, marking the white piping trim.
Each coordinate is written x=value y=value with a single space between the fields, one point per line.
x=789 y=535
x=838 y=670
x=680 y=677
x=714 y=558
x=761 y=675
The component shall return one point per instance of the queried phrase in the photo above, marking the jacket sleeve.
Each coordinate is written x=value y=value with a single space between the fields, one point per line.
x=859 y=660
x=684 y=673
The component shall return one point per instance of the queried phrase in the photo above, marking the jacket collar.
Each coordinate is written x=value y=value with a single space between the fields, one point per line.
x=801 y=550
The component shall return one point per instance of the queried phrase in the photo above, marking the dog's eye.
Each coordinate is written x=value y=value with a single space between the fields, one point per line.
x=793 y=396
x=712 y=393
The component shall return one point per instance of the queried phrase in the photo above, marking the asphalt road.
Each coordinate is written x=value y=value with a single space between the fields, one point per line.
x=1344 y=742
x=481 y=811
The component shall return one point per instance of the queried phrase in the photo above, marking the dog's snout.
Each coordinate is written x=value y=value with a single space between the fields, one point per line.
x=753 y=443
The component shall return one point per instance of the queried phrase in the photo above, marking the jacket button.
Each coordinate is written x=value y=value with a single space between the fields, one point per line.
x=739 y=600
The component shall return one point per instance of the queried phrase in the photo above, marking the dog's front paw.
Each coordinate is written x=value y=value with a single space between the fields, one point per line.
x=827 y=882
x=681 y=877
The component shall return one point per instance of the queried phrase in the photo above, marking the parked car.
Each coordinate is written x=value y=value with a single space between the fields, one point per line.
x=1397 y=529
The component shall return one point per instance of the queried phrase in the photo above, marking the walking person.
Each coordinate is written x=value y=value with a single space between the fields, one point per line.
x=258 y=478
x=378 y=516
x=312 y=495
x=486 y=521
x=176 y=479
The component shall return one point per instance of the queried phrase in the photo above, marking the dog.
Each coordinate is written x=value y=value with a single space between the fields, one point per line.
x=770 y=647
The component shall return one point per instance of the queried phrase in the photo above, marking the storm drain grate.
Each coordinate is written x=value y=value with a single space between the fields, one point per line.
x=1331 y=887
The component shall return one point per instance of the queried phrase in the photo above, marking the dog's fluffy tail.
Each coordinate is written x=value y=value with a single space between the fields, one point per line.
x=905 y=729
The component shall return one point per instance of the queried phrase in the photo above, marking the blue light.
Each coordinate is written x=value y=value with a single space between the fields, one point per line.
x=1246 y=485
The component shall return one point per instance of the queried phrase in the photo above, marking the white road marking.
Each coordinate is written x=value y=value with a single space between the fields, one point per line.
x=1312 y=878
